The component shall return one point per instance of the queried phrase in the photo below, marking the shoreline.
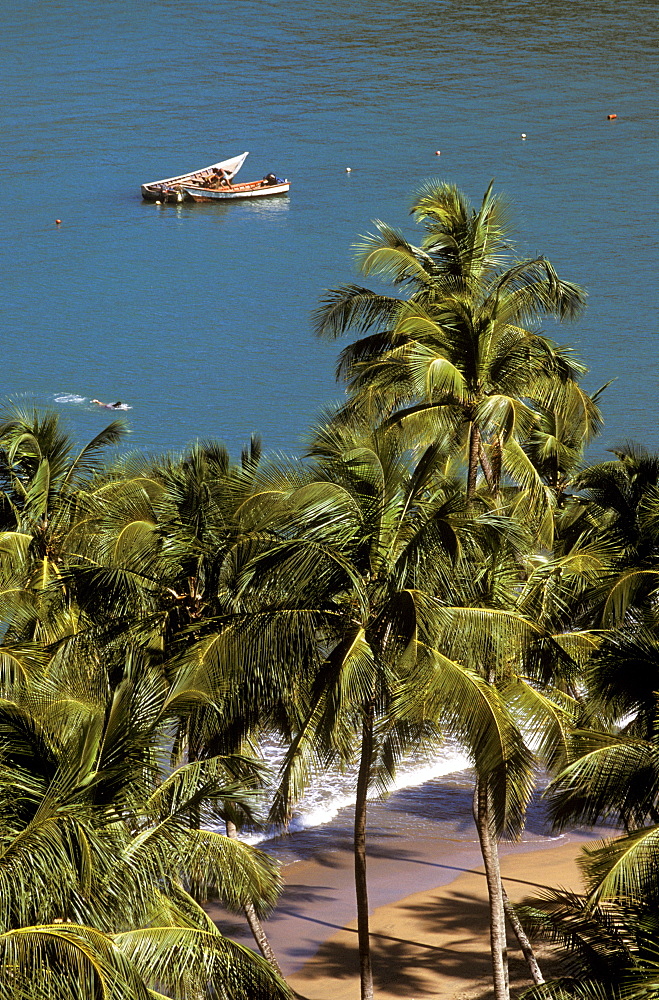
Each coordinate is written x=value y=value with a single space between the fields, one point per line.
x=429 y=918
x=427 y=895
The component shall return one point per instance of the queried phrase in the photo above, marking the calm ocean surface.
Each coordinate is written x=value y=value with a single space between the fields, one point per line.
x=199 y=316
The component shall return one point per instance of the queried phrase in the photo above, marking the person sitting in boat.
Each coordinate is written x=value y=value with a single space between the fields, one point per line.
x=270 y=179
x=223 y=177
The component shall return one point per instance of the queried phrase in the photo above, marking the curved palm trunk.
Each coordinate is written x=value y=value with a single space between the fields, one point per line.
x=361 y=888
x=496 y=451
x=255 y=925
x=488 y=470
x=474 y=455
x=490 y=855
x=522 y=937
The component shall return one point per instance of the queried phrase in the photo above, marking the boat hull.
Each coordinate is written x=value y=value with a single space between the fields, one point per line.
x=255 y=189
x=166 y=194
x=172 y=188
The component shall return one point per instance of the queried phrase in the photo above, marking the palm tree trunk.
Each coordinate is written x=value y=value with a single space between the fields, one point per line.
x=522 y=937
x=361 y=888
x=488 y=471
x=496 y=452
x=490 y=855
x=255 y=925
x=474 y=449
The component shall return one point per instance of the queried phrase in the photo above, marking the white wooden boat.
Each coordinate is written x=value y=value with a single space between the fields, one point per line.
x=226 y=192
x=173 y=188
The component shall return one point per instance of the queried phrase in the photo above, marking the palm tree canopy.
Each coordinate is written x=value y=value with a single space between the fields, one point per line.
x=460 y=353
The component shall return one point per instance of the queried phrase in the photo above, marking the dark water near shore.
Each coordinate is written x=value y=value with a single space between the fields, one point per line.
x=440 y=810
x=199 y=316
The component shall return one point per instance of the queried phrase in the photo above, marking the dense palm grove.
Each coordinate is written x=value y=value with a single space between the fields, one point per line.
x=442 y=561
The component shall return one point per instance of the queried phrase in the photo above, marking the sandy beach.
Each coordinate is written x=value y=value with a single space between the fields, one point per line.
x=435 y=943
x=429 y=925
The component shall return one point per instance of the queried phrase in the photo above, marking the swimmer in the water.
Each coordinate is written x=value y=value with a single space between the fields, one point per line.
x=109 y=406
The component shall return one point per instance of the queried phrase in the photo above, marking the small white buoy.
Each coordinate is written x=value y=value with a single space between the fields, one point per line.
x=348 y=170
x=523 y=135
x=157 y=203
x=438 y=152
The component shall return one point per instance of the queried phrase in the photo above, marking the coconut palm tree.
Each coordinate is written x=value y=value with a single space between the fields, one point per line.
x=96 y=850
x=459 y=358
x=161 y=537
x=41 y=476
x=350 y=598
x=610 y=934
x=613 y=507
x=609 y=949
x=491 y=627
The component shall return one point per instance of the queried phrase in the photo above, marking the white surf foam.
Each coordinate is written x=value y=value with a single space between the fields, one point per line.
x=331 y=792
x=75 y=398
x=70 y=397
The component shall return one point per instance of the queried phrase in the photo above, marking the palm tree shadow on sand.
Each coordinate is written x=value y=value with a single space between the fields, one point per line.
x=444 y=951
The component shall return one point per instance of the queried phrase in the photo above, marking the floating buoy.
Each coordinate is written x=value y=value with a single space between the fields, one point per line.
x=611 y=117
x=58 y=222
x=348 y=170
x=523 y=135
x=157 y=203
x=438 y=152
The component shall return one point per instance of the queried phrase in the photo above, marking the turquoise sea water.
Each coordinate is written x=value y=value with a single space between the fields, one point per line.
x=198 y=316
